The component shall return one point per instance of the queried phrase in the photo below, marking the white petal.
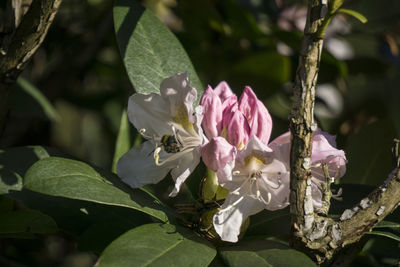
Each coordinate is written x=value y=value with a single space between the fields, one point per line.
x=227 y=223
x=137 y=166
x=186 y=165
x=225 y=174
x=177 y=91
x=254 y=145
x=150 y=112
x=275 y=197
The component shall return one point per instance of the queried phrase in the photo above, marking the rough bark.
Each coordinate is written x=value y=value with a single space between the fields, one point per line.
x=24 y=42
x=315 y=234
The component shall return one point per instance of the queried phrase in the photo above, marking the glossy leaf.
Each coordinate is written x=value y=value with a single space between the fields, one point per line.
x=123 y=143
x=26 y=221
x=263 y=253
x=77 y=180
x=77 y=217
x=149 y=50
x=158 y=245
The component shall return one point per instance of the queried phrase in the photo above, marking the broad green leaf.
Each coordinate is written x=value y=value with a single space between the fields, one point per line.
x=76 y=217
x=263 y=253
x=368 y=154
x=149 y=50
x=158 y=245
x=354 y=14
x=26 y=221
x=77 y=180
x=99 y=235
x=35 y=93
x=123 y=143
x=385 y=234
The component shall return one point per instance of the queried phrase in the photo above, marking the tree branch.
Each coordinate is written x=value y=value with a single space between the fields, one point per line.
x=24 y=42
x=315 y=234
x=301 y=120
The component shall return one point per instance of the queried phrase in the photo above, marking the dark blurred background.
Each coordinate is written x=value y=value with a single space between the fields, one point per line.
x=244 y=42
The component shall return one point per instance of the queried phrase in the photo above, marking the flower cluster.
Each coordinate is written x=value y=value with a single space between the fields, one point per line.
x=235 y=144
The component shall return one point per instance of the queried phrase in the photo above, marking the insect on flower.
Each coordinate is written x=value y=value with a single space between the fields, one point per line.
x=174 y=136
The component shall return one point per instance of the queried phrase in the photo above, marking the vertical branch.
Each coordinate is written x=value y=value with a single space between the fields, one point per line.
x=24 y=42
x=301 y=119
x=316 y=234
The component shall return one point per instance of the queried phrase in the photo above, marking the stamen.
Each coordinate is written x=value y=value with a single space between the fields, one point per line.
x=269 y=196
x=272 y=184
x=236 y=173
x=157 y=156
x=170 y=158
x=143 y=133
x=232 y=205
x=258 y=193
x=236 y=191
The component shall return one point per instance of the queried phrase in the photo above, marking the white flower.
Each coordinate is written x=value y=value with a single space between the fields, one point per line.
x=256 y=181
x=173 y=134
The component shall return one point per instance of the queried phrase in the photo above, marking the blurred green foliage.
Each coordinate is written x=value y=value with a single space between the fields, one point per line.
x=244 y=42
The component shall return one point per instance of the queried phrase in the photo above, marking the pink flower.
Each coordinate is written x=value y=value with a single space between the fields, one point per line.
x=256 y=181
x=324 y=151
x=236 y=121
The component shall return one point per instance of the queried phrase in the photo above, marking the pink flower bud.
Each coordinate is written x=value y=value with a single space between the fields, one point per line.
x=217 y=153
x=212 y=113
x=257 y=115
x=236 y=126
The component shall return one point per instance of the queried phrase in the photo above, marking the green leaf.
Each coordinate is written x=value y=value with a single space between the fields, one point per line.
x=9 y=181
x=354 y=14
x=99 y=235
x=26 y=221
x=387 y=224
x=385 y=234
x=35 y=93
x=77 y=180
x=158 y=245
x=19 y=159
x=368 y=154
x=123 y=143
x=263 y=253
x=149 y=50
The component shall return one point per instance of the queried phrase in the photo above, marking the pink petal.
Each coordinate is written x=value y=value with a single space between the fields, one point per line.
x=212 y=113
x=257 y=115
x=217 y=153
x=223 y=91
x=323 y=151
x=238 y=130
